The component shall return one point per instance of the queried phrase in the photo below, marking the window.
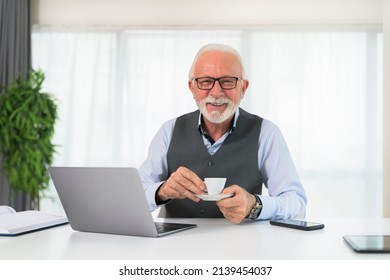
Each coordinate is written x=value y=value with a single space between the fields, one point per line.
x=323 y=89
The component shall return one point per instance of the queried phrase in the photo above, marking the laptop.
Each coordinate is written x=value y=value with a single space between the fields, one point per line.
x=368 y=243
x=108 y=200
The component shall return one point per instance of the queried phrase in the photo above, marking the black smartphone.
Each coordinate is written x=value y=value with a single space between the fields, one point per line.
x=297 y=224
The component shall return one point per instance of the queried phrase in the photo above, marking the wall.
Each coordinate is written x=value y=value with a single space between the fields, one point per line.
x=386 y=108
x=219 y=12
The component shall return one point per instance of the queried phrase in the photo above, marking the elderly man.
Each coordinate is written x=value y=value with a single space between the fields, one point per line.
x=221 y=140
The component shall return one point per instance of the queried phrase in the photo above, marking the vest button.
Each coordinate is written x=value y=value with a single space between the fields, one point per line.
x=210 y=163
x=201 y=211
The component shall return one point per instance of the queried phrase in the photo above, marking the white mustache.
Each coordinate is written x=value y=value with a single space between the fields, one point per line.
x=216 y=101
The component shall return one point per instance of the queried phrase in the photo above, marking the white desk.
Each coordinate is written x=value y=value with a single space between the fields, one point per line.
x=257 y=240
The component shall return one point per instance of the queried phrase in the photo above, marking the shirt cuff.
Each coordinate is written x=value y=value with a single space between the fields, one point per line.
x=269 y=207
x=150 y=192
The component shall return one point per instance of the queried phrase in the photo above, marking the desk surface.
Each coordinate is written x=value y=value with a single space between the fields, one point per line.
x=213 y=239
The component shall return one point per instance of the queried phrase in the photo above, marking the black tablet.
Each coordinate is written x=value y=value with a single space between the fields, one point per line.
x=369 y=243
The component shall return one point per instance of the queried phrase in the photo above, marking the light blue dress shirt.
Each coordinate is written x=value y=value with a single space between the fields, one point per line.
x=286 y=199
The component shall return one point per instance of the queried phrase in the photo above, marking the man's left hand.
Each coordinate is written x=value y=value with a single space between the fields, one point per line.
x=237 y=207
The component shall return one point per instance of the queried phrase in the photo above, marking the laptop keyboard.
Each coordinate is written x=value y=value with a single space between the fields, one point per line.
x=164 y=227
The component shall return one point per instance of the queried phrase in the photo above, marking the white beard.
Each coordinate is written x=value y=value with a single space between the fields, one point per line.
x=215 y=116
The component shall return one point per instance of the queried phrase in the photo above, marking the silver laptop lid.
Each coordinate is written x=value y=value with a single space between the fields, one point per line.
x=104 y=200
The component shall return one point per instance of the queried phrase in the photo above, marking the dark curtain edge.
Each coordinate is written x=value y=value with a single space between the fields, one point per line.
x=15 y=62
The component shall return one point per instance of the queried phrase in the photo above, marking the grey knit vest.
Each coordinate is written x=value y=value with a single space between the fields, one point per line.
x=236 y=159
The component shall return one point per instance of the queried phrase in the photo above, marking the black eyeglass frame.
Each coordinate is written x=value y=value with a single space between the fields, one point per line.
x=219 y=81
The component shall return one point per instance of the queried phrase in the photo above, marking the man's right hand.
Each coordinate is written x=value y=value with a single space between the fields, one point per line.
x=183 y=183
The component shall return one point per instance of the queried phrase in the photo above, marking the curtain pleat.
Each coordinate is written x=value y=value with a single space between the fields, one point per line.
x=15 y=61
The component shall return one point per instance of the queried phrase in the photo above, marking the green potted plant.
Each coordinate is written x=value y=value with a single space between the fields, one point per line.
x=27 y=120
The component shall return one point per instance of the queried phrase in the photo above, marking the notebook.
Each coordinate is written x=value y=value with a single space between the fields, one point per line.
x=14 y=223
x=369 y=243
x=108 y=200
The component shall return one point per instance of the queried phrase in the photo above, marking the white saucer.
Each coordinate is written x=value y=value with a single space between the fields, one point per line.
x=217 y=197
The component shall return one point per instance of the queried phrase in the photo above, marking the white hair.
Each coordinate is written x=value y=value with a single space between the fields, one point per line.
x=218 y=48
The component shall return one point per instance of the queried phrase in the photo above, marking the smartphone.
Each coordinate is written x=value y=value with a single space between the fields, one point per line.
x=297 y=224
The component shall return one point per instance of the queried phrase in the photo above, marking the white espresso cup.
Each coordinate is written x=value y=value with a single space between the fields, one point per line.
x=214 y=185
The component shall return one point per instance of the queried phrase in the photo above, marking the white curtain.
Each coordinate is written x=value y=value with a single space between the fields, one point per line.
x=116 y=88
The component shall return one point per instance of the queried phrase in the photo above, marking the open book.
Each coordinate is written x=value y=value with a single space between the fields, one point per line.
x=15 y=223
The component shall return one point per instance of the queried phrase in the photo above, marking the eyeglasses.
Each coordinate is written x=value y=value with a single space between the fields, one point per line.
x=207 y=83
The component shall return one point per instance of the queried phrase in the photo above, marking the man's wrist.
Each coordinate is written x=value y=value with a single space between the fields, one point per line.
x=159 y=197
x=256 y=209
